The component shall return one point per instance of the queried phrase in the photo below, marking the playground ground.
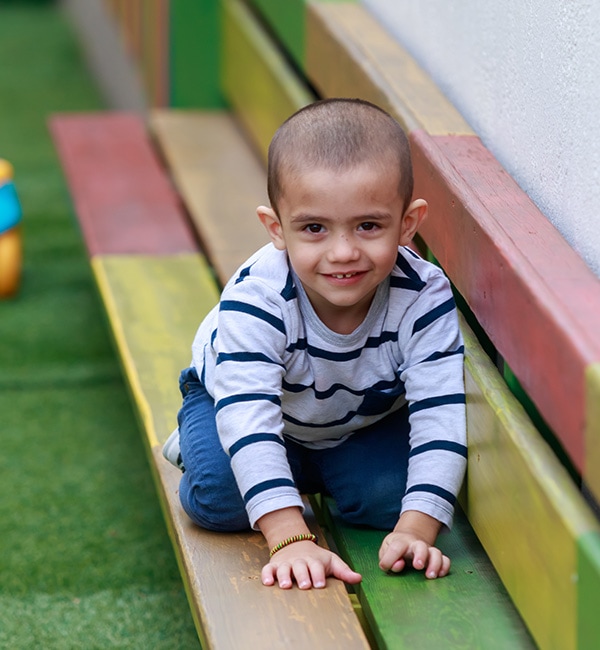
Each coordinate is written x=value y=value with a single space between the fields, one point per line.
x=85 y=560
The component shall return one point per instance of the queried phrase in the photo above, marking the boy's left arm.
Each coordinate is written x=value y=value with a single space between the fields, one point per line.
x=435 y=391
x=412 y=540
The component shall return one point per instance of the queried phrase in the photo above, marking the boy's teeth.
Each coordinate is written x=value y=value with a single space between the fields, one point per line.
x=339 y=276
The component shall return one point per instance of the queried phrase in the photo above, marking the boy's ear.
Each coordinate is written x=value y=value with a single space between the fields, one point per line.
x=411 y=221
x=270 y=221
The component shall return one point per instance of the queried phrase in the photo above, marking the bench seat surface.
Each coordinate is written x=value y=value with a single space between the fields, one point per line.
x=220 y=179
x=468 y=609
x=221 y=571
x=124 y=202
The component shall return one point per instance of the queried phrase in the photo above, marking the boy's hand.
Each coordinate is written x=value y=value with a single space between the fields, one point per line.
x=412 y=541
x=309 y=565
x=305 y=562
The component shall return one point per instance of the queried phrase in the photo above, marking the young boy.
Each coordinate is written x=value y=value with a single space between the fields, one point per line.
x=333 y=362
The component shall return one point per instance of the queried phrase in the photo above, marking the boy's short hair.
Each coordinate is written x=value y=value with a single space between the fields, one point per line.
x=337 y=134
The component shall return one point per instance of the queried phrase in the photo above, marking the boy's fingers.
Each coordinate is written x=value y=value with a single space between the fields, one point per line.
x=310 y=572
x=301 y=574
x=446 y=563
x=283 y=572
x=438 y=565
x=317 y=574
x=341 y=571
x=390 y=553
x=422 y=553
x=267 y=575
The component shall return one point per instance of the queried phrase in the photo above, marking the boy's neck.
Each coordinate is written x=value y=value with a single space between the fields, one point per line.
x=341 y=320
x=344 y=320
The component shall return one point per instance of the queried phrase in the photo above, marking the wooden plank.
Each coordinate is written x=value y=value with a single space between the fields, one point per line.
x=221 y=180
x=121 y=195
x=468 y=609
x=349 y=54
x=588 y=588
x=287 y=20
x=591 y=471
x=522 y=504
x=155 y=50
x=154 y=305
x=232 y=608
x=257 y=80
x=501 y=252
x=194 y=33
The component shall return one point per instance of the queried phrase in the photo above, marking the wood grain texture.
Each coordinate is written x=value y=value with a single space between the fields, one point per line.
x=469 y=609
x=591 y=473
x=154 y=307
x=259 y=83
x=232 y=608
x=121 y=195
x=588 y=588
x=221 y=180
x=155 y=50
x=349 y=54
x=287 y=20
x=194 y=53
x=522 y=504
x=534 y=296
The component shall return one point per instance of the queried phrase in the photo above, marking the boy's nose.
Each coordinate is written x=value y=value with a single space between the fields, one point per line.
x=343 y=249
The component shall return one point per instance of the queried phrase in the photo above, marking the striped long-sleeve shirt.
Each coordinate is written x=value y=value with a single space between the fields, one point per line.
x=274 y=370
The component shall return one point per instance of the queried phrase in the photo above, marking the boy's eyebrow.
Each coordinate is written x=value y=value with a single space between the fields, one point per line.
x=303 y=217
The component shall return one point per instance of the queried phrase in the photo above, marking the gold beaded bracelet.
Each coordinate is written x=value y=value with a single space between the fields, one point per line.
x=304 y=537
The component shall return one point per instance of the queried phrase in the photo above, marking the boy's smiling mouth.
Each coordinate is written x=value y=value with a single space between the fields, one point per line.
x=346 y=277
x=341 y=276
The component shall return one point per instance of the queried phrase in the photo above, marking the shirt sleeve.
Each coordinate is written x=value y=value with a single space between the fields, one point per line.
x=250 y=346
x=433 y=375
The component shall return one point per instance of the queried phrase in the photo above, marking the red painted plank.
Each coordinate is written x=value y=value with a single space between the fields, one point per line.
x=122 y=196
x=534 y=296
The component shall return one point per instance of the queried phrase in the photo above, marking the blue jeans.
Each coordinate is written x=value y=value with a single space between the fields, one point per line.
x=365 y=475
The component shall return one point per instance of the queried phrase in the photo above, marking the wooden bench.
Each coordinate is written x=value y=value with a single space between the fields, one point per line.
x=541 y=318
x=540 y=572
x=156 y=288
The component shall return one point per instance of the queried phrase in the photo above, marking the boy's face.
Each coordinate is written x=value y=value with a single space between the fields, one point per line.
x=341 y=230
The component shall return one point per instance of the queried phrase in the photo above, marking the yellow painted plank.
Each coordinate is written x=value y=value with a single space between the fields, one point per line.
x=220 y=180
x=154 y=305
x=349 y=54
x=523 y=505
x=231 y=607
x=592 y=430
x=260 y=84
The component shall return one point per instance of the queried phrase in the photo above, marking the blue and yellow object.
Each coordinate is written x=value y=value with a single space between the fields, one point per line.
x=10 y=232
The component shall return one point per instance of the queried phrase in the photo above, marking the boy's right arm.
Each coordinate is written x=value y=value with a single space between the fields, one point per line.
x=305 y=562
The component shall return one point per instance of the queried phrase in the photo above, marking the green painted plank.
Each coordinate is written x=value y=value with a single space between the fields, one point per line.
x=288 y=21
x=588 y=592
x=194 y=57
x=468 y=609
x=258 y=81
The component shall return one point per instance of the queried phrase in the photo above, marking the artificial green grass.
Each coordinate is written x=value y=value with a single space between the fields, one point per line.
x=85 y=560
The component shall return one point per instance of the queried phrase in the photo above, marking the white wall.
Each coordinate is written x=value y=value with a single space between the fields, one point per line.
x=525 y=74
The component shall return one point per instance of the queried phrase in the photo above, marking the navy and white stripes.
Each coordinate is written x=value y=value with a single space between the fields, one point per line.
x=274 y=369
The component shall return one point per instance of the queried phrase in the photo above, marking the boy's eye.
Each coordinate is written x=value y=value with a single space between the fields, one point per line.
x=315 y=228
x=367 y=225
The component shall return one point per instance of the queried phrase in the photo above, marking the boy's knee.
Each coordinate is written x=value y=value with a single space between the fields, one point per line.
x=210 y=509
